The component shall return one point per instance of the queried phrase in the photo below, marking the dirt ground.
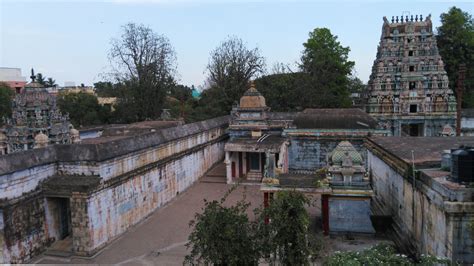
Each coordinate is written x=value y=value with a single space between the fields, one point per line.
x=160 y=239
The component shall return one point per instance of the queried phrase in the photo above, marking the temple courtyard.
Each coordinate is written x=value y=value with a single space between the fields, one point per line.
x=161 y=238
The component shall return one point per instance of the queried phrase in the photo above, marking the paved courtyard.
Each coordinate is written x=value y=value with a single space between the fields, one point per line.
x=160 y=239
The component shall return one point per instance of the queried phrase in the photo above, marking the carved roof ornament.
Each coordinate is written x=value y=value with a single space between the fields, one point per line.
x=345 y=152
x=33 y=76
x=252 y=98
x=33 y=84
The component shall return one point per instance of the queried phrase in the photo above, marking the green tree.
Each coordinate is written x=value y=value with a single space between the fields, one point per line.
x=145 y=64
x=327 y=63
x=6 y=96
x=180 y=102
x=356 y=85
x=41 y=79
x=231 y=67
x=456 y=46
x=222 y=235
x=108 y=89
x=285 y=236
x=283 y=92
x=83 y=109
x=50 y=82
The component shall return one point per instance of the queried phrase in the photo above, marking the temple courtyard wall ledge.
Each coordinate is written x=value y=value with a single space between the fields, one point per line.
x=108 y=149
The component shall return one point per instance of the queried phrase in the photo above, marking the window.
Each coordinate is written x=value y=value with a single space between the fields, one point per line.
x=413 y=108
x=410 y=53
x=412 y=85
x=412 y=68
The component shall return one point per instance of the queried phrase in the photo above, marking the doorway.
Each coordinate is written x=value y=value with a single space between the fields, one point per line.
x=64 y=217
x=60 y=226
x=412 y=130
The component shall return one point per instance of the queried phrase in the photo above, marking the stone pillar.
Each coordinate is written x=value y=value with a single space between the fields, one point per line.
x=228 y=169
x=270 y=165
x=81 y=236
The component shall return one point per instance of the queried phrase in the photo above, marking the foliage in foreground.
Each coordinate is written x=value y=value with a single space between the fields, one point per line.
x=222 y=235
x=285 y=235
x=225 y=236
x=383 y=254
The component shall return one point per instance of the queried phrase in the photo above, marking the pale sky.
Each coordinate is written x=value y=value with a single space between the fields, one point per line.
x=69 y=40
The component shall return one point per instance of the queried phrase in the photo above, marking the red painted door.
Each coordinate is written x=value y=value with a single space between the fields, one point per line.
x=325 y=207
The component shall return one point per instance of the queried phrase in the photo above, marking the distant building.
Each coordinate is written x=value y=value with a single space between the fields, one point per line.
x=408 y=89
x=13 y=77
x=69 y=84
x=77 y=89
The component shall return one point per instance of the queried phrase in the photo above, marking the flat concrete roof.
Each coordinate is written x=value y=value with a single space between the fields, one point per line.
x=425 y=149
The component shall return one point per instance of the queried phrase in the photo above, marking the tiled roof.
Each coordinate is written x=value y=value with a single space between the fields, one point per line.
x=336 y=118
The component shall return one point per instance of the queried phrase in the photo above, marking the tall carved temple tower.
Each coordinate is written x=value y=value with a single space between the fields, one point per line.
x=36 y=122
x=408 y=89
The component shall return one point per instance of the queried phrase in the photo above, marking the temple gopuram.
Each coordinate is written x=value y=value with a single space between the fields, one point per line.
x=36 y=121
x=408 y=89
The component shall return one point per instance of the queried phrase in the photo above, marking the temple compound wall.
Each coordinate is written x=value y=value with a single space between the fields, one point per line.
x=430 y=214
x=94 y=192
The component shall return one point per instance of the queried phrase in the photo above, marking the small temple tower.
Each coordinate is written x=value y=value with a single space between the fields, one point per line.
x=348 y=205
x=408 y=89
x=255 y=148
x=36 y=121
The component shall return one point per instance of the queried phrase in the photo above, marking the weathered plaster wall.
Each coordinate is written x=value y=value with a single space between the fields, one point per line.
x=423 y=220
x=310 y=153
x=15 y=184
x=112 y=211
x=350 y=215
x=137 y=175
x=25 y=231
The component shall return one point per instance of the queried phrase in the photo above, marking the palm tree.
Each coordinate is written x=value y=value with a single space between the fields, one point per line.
x=50 y=82
x=40 y=79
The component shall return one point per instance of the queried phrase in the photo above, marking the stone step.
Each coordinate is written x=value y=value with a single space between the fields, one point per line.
x=210 y=179
x=58 y=253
